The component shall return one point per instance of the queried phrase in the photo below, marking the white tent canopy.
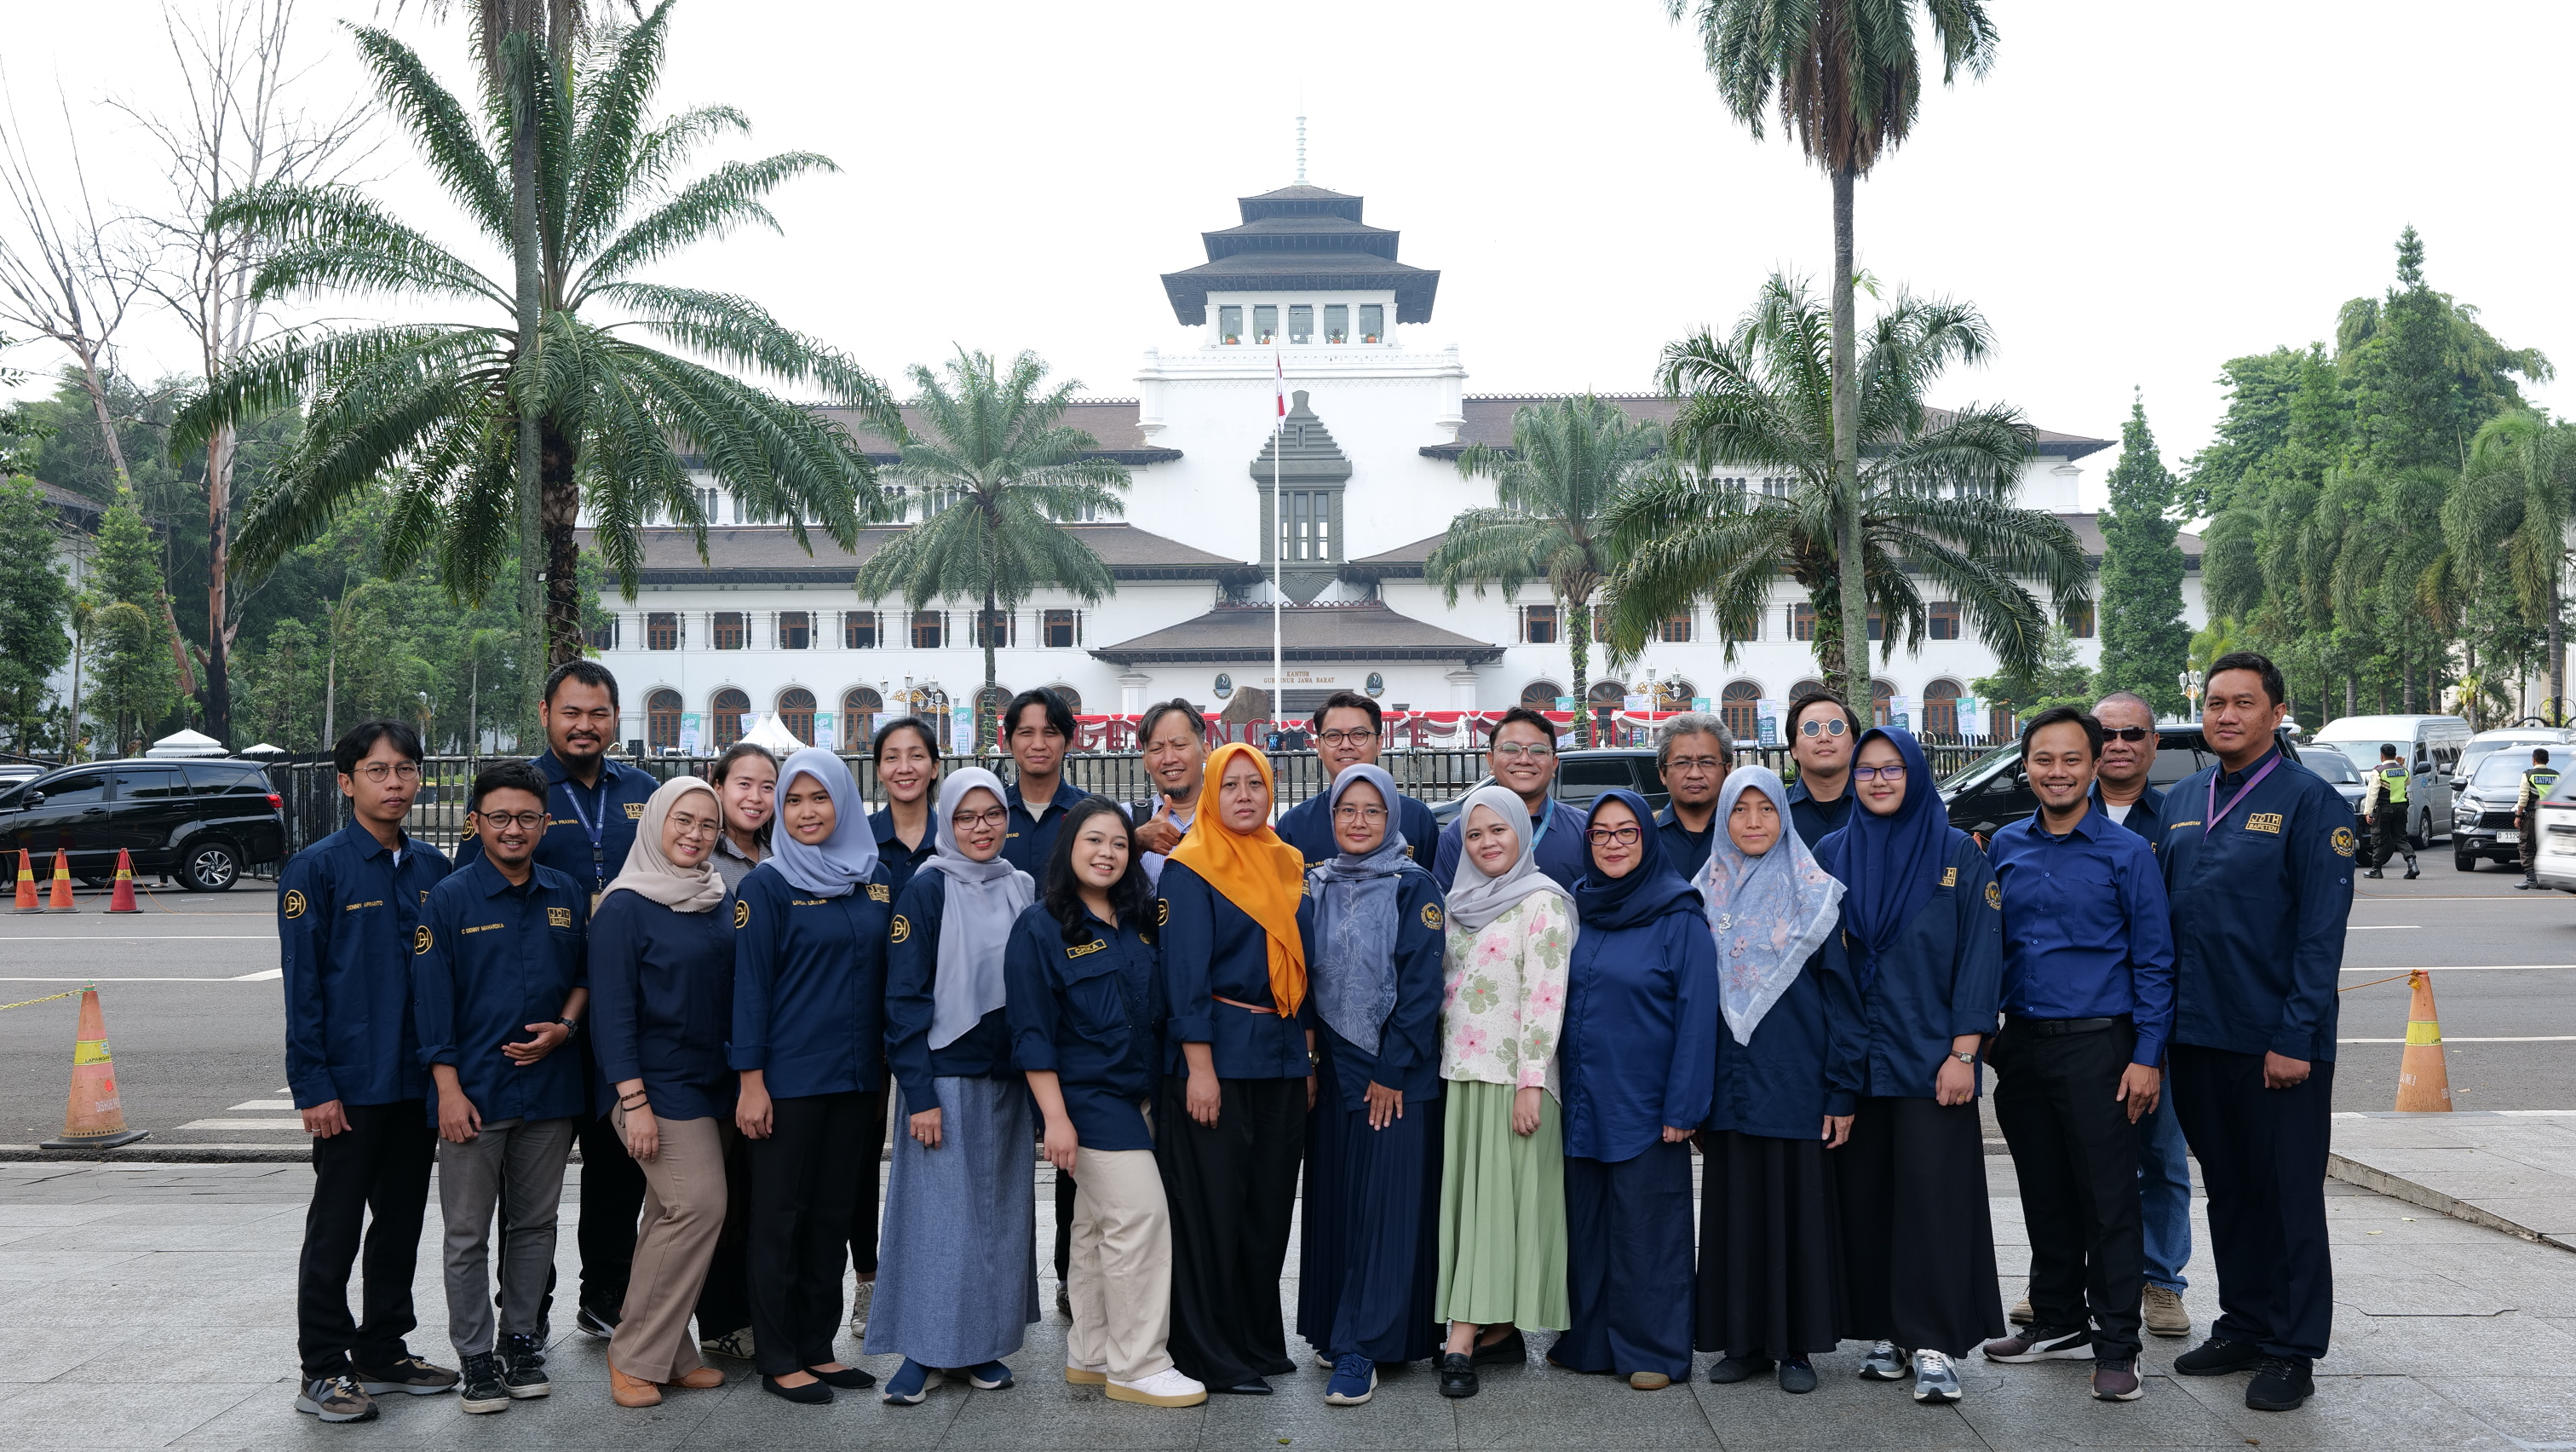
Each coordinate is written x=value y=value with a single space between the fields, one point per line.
x=263 y=749
x=774 y=735
x=187 y=743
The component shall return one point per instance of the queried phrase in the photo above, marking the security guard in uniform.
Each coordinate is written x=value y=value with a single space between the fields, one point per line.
x=2385 y=800
x=2536 y=782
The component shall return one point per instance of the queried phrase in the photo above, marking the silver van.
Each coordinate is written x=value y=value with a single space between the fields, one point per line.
x=2431 y=747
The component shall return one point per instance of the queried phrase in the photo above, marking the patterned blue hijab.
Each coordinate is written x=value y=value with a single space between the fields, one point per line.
x=1888 y=865
x=1769 y=913
x=1356 y=918
x=835 y=866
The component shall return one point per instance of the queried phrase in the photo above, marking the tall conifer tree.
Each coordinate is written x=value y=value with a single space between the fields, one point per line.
x=2145 y=643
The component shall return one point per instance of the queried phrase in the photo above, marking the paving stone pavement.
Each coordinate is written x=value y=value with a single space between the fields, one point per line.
x=151 y=1306
x=2514 y=1170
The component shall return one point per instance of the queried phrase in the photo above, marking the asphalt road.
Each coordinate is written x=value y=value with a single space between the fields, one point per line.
x=193 y=1013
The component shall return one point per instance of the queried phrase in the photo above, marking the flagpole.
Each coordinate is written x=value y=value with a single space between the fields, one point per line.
x=1278 y=536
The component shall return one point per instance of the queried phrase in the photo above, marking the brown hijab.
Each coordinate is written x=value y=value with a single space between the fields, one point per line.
x=650 y=873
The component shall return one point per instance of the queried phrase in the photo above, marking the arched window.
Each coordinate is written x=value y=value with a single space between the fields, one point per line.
x=662 y=721
x=732 y=712
x=1941 y=707
x=1674 y=694
x=1737 y=708
x=1541 y=695
x=1607 y=693
x=1807 y=688
x=796 y=713
x=859 y=711
x=1072 y=698
x=1879 y=691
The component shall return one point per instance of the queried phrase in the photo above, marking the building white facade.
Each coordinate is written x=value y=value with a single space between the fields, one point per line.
x=1366 y=480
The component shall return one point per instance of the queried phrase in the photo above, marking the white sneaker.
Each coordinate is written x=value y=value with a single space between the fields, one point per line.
x=860 y=1300
x=1884 y=1363
x=1165 y=1388
x=1935 y=1382
x=735 y=1344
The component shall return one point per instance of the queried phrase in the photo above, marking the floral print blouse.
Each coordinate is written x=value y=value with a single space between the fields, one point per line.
x=1503 y=1001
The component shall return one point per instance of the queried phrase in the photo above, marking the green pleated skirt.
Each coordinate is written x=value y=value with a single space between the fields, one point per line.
x=1502 y=1213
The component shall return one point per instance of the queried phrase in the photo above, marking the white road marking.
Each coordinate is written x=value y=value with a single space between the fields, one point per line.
x=2381 y=927
x=262 y=976
x=294 y=1124
x=155 y=938
x=2473 y=968
x=88 y=978
x=266 y=1104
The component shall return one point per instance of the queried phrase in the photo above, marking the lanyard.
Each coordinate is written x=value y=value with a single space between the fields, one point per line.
x=596 y=827
x=1545 y=820
x=2210 y=823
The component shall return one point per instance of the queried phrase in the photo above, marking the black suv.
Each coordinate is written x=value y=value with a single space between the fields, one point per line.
x=1582 y=776
x=198 y=822
x=1994 y=792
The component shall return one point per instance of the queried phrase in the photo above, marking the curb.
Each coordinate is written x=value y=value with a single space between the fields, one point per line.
x=2354 y=1172
x=162 y=1154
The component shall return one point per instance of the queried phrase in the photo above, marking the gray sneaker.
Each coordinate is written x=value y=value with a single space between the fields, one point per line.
x=2162 y=1310
x=481 y=1385
x=407 y=1374
x=335 y=1399
x=736 y=1344
x=1884 y=1363
x=1935 y=1383
x=860 y=1300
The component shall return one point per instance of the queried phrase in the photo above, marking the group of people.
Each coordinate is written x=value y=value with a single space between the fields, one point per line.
x=1486 y=1051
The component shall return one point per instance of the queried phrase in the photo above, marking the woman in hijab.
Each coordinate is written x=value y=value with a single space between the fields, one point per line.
x=1788 y=1070
x=1371 y=1260
x=1239 y=1077
x=810 y=927
x=1502 y=1176
x=957 y=1281
x=1640 y=1033
x=661 y=994
x=1923 y=923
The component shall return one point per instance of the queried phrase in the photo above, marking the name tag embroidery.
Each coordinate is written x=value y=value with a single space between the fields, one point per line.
x=371 y=902
x=879 y=892
x=559 y=917
x=635 y=811
x=2177 y=826
x=1087 y=949
x=479 y=928
x=2264 y=822
x=1950 y=877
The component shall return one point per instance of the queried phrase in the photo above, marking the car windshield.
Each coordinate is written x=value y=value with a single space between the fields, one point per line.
x=2364 y=755
x=2332 y=765
x=2010 y=751
x=2502 y=768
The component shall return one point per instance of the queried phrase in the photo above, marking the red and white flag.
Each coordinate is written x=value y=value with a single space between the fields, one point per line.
x=1279 y=367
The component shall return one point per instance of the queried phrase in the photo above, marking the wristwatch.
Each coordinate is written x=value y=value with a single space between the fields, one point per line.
x=1969 y=1058
x=570 y=1026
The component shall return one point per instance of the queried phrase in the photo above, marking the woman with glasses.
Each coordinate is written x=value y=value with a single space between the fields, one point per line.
x=1788 y=1068
x=1370 y=1255
x=810 y=928
x=1637 y=1061
x=1231 y=1126
x=746 y=779
x=1923 y=923
x=1502 y=1177
x=661 y=984
x=958 y=1285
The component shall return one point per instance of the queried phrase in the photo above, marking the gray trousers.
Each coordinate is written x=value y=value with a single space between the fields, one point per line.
x=523 y=1159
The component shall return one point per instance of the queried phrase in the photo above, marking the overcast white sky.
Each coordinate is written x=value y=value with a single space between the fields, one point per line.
x=2136 y=193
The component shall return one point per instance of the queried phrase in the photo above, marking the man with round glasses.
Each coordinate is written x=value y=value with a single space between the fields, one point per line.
x=1522 y=756
x=1350 y=730
x=1822 y=732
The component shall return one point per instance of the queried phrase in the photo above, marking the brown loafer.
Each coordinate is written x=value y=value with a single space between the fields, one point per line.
x=702 y=1379
x=1649 y=1380
x=631 y=1391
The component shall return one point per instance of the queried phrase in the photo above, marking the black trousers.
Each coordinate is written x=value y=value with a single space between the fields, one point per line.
x=2076 y=1155
x=1918 y=1235
x=1233 y=1196
x=2388 y=829
x=370 y=1183
x=724 y=1298
x=2262 y=1154
x=869 y=1149
x=803 y=1179
x=1628 y=1288
x=1064 y=1190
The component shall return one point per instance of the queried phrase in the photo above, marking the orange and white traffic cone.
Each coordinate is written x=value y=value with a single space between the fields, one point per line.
x=121 y=900
x=27 y=883
x=2423 y=1083
x=61 y=899
x=95 y=1118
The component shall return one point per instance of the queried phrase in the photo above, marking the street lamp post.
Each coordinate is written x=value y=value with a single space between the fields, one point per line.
x=2191 y=682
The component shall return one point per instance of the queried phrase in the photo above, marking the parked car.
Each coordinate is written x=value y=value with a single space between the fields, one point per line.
x=200 y=823
x=2482 y=824
x=2432 y=745
x=2521 y=739
x=1582 y=776
x=2556 y=864
x=2336 y=767
x=1993 y=792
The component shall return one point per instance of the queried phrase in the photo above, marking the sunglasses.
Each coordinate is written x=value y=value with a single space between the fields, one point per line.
x=1812 y=729
x=2126 y=733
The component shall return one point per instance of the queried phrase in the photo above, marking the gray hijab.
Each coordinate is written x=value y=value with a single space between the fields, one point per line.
x=1769 y=913
x=984 y=900
x=1356 y=917
x=1475 y=900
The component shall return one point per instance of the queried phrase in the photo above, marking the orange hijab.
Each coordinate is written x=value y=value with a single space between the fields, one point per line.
x=1257 y=873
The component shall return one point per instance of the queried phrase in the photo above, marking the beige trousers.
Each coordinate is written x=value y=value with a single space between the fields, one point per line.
x=1120 y=1280
x=684 y=1212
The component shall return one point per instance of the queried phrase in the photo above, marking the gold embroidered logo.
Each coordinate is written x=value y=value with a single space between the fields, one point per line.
x=879 y=892
x=1162 y=911
x=294 y=902
x=2343 y=842
x=2264 y=822
x=1994 y=897
x=1950 y=877
x=420 y=940
x=1086 y=950
x=1431 y=916
x=635 y=811
x=559 y=917
x=741 y=913
x=902 y=928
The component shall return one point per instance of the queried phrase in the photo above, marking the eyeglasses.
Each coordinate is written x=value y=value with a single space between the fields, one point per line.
x=989 y=817
x=1351 y=737
x=1879 y=773
x=1359 y=814
x=1697 y=763
x=378 y=771
x=1814 y=729
x=525 y=821
x=1604 y=836
x=1515 y=750
x=2125 y=733
x=694 y=826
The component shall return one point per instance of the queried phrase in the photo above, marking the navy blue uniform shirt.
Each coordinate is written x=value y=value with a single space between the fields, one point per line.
x=1092 y=1013
x=489 y=959
x=2087 y=931
x=1407 y=1059
x=1211 y=950
x=1308 y=827
x=1561 y=854
x=1941 y=978
x=809 y=980
x=1641 y=1026
x=661 y=1002
x=1817 y=820
x=2146 y=815
x=1032 y=838
x=347 y=917
x=589 y=829
x=2259 y=902
x=1805 y=1059
x=1687 y=850
x=901 y=862
x=912 y=972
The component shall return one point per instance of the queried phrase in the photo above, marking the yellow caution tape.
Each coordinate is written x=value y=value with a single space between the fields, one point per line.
x=48 y=998
x=2422 y=1031
x=89 y=1051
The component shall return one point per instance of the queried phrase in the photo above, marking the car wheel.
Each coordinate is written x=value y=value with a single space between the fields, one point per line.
x=210 y=867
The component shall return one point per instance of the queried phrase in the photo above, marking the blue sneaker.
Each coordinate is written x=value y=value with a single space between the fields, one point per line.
x=1354 y=1378
x=991 y=1376
x=911 y=1383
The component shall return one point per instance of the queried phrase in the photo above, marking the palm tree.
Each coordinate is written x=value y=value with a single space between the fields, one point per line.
x=993 y=482
x=432 y=409
x=2512 y=508
x=1848 y=83
x=1570 y=462
x=1935 y=491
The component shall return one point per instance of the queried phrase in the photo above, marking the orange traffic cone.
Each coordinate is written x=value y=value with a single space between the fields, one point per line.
x=61 y=901
x=122 y=899
x=2423 y=1083
x=95 y=1118
x=27 y=883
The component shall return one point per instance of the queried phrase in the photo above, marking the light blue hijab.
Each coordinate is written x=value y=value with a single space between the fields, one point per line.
x=984 y=900
x=835 y=866
x=1769 y=913
x=1356 y=917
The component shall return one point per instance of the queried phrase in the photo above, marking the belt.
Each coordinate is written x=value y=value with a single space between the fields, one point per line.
x=1246 y=1007
x=2052 y=1027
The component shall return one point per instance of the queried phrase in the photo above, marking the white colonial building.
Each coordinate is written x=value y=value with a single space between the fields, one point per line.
x=1366 y=478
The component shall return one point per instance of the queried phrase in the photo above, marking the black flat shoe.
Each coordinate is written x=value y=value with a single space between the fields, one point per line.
x=812 y=1393
x=1253 y=1388
x=848 y=1378
x=1457 y=1374
x=1797 y=1378
x=1738 y=1368
x=1510 y=1351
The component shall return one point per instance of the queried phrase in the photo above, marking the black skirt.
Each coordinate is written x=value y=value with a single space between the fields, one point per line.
x=1770 y=1248
x=1918 y=1238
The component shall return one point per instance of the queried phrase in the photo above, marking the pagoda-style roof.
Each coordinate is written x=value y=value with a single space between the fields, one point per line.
x=768 y=554
x=1359 y=630
x=1301 y=450
x=1298 y=239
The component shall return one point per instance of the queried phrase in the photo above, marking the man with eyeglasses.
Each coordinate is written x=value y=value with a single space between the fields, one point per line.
x=1522 y=756
x=1692 y=753
x=1822 y=734
x=348 y=911
x=1350 y=730
x=2120 y=790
